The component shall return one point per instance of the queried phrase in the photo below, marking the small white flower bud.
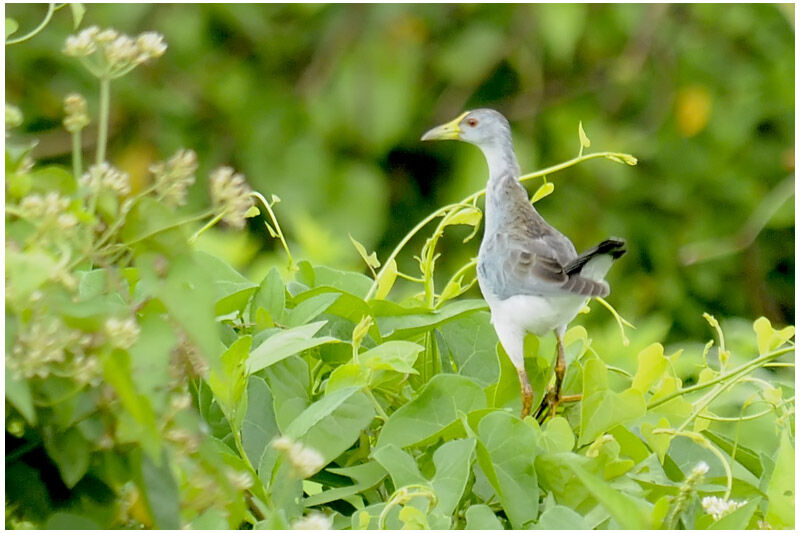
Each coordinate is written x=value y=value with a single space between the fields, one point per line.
x=122 y=333
x=313 y=520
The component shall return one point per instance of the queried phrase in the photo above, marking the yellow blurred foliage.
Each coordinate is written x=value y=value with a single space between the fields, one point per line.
x=135 y=159
x=692 y=109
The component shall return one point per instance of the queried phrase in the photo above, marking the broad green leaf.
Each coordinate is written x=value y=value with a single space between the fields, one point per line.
x=365 y=475
x=62 y=520
x=744 y=456
x=469 y=216
x=545 y=189
x=161 y=492
x=11 y=27
x=18 y=394
x=228 y=383
x=584 y=140
x=70 y=452
x=318 y=276
x=396 y=322
x=601 y=408
x=270 y=296
x=284 y=344
x=398 y=356
x=310 y=309
x=401 y=466
x=78 y=10
x=652 y=364
x=770 y=339
x=232 y=291
x=259 y=427
x=658 y=442
x=738 y=519
x=386 y=280
x=630 y=444
x=212 y=518
x=117 y=373
x=780 y=491
x=27 y=271
x=333 y=423
x=53 y=178
x=348 y=375
x=482 y=517
x=561 y=517
x=370 y=259
x=453 y=462
x=629 y=512
x=150 y=357
x=471 y=343
x=153 y=226
x=290 y=383
x=557 y=436
x=506 y=453
x=436 y=406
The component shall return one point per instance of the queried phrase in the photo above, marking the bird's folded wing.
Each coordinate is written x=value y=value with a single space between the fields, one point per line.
x=530 y=266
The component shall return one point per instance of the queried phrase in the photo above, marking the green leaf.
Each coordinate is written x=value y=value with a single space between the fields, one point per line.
x=270 y=296
x=584 y=140
x=70 y=452
x=545 y=189
x=310 y=309
x=365 y=475
x=348 y=375
x=780 y=490
x=506 y=455
x=150 y=357
x=629 y=512
x=453 y=462
x=386 y=280
x=161 y=492
x=370 y=259
x=738 y=519
x=290 y=383
x=401 y=466
x=561 y=517
x=27 y=271
x=658 y=442
x=397 y=322
x=62 y=520
x=481 y=516
x=53 y=178
x=11 y=27
x=601 y=408
x=770 y=339
x=18 y=394
x=468 y=216
x=259 y=427
x=398 y=356
x=229 y=382
x=284 y=344
x=78 y=10
x=437 y=405
x=471 y=343
x=318 y=276
x=152 y=225
x=652 y=364
x=557 y=436
x=232 y=290
x=333 y=423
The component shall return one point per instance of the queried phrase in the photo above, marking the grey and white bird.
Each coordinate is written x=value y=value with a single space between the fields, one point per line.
x=529 y=273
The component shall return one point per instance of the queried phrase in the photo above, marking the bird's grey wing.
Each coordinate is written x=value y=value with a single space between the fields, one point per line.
x=515 y=265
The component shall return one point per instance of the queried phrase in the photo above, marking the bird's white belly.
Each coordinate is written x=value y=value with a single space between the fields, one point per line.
x=535 y=314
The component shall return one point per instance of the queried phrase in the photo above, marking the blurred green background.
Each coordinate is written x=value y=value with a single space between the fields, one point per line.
x=324 y=106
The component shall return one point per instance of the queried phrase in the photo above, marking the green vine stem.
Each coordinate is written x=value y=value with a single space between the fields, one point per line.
x=403 y=496
x=51 y=8
x=705 y=443
x=733 y=374
x=471 y=199
x=102 y=122
x=277 y=227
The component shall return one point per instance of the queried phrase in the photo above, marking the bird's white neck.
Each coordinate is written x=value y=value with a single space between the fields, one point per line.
x=501 y=160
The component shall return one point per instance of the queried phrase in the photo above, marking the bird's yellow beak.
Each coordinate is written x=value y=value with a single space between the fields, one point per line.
x=448 y=131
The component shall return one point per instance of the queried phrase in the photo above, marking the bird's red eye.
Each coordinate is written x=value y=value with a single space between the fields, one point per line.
x=472 y=122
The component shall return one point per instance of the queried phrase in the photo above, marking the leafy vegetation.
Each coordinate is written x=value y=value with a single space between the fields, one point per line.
x=149 y=383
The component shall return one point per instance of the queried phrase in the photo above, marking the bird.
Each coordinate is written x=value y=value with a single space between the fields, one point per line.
x=529 y=273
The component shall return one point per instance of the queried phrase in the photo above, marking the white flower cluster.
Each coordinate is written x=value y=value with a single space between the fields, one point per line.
x=313 y=520
x=173 y=177
x=40 y=346
x=114 y=54
x=122 y=333
x=230 y=195
x=104 y=176
x=719 y=507
x=48 y=210
x=77 y=114
x=304 y=460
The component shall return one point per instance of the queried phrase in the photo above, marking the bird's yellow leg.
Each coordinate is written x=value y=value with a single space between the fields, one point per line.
x=526 y=391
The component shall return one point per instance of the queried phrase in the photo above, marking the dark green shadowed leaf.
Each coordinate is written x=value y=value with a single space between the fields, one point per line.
x=161 y=492
x=259 y=427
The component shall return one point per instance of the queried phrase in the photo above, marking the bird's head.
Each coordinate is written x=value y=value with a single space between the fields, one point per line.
x=481 y=127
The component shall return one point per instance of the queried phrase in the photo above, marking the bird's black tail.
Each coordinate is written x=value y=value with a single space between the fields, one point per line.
x=613 y=247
